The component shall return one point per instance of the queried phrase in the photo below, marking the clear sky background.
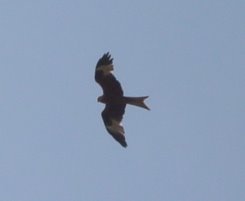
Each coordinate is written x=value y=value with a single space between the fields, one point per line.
x=188 y=56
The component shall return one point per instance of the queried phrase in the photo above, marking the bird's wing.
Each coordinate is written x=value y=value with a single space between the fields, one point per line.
x=104 y=76
x=112 y=116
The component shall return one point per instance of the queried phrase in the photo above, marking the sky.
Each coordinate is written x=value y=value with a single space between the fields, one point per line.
x=188 y=56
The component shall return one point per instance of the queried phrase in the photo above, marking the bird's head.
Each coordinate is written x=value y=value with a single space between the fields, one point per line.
x=101 y=99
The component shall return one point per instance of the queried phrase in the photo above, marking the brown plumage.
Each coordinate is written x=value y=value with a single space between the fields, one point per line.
x=114 y=99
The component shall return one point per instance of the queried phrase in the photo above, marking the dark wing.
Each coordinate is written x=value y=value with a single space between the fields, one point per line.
x=112 y=116
x=103 y=75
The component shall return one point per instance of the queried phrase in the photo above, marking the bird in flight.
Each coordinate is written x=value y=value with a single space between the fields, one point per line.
x=113 y=98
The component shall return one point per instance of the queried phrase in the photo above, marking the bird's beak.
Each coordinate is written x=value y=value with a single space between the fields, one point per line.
x=99 y=99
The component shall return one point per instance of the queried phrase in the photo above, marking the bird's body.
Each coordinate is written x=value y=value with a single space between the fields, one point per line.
x=114 y=99
x=137 y=101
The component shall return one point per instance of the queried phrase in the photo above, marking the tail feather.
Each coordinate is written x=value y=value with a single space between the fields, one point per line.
x=137 y=101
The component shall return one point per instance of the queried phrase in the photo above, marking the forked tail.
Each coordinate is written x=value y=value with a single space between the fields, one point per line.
x=137 y=101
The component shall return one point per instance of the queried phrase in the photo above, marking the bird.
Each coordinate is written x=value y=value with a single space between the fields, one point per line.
x=114 y=99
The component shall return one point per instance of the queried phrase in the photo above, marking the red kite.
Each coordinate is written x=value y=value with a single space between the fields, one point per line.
x=113 y=99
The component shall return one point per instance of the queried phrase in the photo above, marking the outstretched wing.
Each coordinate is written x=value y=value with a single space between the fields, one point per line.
x=112 y=116
x=103 y=75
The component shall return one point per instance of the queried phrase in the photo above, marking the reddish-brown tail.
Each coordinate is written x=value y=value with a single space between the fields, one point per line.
x=137 y=101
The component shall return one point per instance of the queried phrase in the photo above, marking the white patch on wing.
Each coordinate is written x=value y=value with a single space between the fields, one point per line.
x=106 y=68
x=116 y=127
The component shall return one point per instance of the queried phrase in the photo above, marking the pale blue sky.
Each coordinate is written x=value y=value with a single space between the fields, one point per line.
x=188 y=56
